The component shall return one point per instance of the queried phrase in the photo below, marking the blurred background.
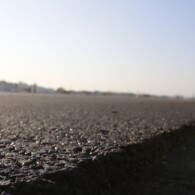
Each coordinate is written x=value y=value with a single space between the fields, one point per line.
x=129 y=46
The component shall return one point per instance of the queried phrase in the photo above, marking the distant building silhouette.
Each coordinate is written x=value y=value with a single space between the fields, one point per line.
x=23 y=88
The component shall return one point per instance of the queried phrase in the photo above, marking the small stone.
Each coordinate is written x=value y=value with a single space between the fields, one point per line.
x=5 y=182
x=77 y=149
x=53 y=156
x=86 y=150
x=2 y=145
x=104 y=131
x=29 y=162
x=73 y=160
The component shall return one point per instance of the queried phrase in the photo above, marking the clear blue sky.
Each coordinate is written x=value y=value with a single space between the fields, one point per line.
x=144 y=46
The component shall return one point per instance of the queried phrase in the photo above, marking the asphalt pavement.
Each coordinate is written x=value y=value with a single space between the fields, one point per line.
x=77 y=144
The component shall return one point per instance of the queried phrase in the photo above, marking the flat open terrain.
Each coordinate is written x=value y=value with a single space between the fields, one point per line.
x=43 y=136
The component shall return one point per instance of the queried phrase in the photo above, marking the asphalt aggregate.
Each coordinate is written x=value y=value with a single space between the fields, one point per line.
x=45 y=139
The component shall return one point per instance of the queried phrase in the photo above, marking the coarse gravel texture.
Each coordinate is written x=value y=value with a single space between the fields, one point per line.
x=45 y=137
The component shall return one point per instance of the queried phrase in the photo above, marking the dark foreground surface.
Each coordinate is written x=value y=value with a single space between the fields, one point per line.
x=85 y=144
x=174 y=174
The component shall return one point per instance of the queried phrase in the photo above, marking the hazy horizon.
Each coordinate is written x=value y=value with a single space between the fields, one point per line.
x=138 y=46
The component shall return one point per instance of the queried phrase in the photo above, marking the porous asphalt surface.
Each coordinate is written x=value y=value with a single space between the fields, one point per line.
x=76 y=144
